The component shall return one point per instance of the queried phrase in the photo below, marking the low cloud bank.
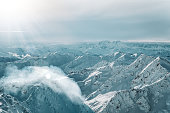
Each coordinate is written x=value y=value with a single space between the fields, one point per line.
x=52 y=77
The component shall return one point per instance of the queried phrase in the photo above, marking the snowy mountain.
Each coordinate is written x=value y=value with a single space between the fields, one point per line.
x=134 y=91
x=100 y=77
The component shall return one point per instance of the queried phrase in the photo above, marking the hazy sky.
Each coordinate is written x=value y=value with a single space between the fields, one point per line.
x=84 y=20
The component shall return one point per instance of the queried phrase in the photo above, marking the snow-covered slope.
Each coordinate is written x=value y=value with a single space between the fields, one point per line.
x=9 y=104
x=135 y=90
x=114 y=77
x=41 y=90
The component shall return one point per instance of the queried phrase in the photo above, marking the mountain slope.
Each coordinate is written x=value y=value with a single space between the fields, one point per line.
x=144 y=92
x=100 y=77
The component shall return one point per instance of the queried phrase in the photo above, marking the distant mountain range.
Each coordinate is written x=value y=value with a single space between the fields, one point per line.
x=114 y=77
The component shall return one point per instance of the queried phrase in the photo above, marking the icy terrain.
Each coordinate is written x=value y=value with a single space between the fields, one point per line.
x=100 y=77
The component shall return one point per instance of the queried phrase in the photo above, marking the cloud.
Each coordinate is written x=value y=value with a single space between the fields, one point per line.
x=83 y=20
x=74 y=9
x=53 y=77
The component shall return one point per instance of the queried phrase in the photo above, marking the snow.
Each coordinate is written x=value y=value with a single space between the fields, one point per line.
x=111 y=64
x=100 y=102
x=116 y=53
x=113 y=77
x=14 y=54
x=94 y=73
x=135 y=54
x=78 y=57
x=143 y=104
x=150 y=64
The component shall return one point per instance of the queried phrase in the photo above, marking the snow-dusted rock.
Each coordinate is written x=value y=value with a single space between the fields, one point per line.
x=114 y=77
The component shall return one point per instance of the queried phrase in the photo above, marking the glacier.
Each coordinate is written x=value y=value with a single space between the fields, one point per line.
x=88 y=77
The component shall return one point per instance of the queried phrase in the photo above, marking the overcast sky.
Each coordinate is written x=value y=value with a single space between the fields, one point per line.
x=84 y=20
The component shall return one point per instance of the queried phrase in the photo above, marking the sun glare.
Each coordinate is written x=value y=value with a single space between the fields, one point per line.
x=18 y=11
x=15 y=15
x=11 y=10
x=16 y=19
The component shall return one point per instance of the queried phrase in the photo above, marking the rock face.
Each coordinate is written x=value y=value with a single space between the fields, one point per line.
x=114 y=77
x=41 y=90
x=9 y=104
x=144 y=86
x=40 y=100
